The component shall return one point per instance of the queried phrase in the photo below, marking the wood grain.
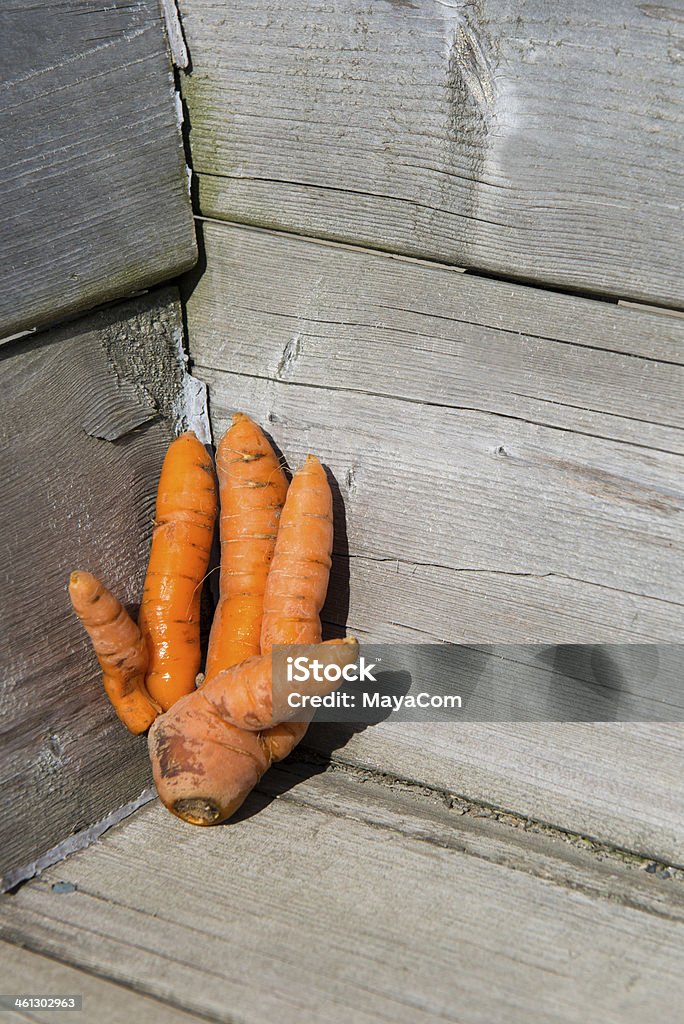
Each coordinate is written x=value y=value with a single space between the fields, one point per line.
x=406 y=380
x=533 y=141
x=27 y=973
x=345 y=900
x=74 y=500
x=463 y=515
x=95 y=198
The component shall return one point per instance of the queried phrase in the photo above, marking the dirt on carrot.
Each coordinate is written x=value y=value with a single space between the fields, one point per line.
x=210 y=750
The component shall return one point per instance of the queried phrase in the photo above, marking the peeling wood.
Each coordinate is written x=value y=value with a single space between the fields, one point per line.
x=174 y=32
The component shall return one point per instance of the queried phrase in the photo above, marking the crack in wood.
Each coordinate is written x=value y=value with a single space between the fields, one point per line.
x=436 y=405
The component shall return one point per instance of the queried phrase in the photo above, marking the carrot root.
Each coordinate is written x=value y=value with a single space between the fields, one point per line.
x=246 y=696
x=181 y=542
x=212 y=747
x=120 y=649
x=208 y=752
x=252 y=489
x=298 y=578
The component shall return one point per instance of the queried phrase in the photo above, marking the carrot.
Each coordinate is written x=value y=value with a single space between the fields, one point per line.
x=205 y=764
x=298 y=577
x=207 y=753
x=301 y=562
x=246 y=696
x=120 y=649
x=252 y=490
x=181 y=541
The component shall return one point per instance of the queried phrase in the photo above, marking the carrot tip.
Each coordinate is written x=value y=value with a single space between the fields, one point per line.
x=197 y=810
x=311 y=458
x=238 y=417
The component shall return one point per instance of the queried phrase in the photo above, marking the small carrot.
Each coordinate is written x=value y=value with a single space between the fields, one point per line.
x=252 y=489
x=120 y=649
x=181 y=542
x=298 y=577
x=208 y=752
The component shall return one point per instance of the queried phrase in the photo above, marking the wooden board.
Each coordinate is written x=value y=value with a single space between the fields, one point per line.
x=462 y=514
x=95 y=198
x=534 y=140
x=461 y=441
x=347 y=900
x=26 y=973
x=87 y=414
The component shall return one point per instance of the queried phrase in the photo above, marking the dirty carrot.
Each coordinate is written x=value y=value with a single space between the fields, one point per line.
x=120 y=649
x=252 y=487
x=181 y=541
x=248 y=697
x=204 y=764
x=207 y=753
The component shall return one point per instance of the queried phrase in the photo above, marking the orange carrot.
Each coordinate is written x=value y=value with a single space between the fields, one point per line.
x=204 y=764
x=252 y=489
x=120 y=650
x=246 y=695
x=207 y=753
x=181 y=541
x=298 y=577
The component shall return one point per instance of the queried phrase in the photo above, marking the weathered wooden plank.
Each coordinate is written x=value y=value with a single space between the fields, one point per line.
x=459 y=516
x=26 y=973
x=73 y=500
x=534 y=141
x=95 y=198
x=347 y=900
x=441 y=467
x=618 y=783
x=611 y=782
x=430 y=335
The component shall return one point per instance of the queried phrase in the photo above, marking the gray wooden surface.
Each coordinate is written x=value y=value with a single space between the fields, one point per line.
x=25 y=973
x=534 y=140
x=87 y=413
x=470 y=428
x=508 y=465
x=352 y=900
x=94 y=187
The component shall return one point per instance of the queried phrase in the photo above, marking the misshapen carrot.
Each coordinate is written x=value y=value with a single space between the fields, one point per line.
x=120 y=649
x=181 y=542
x=298 y=578
x=207 y=752
x=247 y=696
x=204 y=765
x=252 y=488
